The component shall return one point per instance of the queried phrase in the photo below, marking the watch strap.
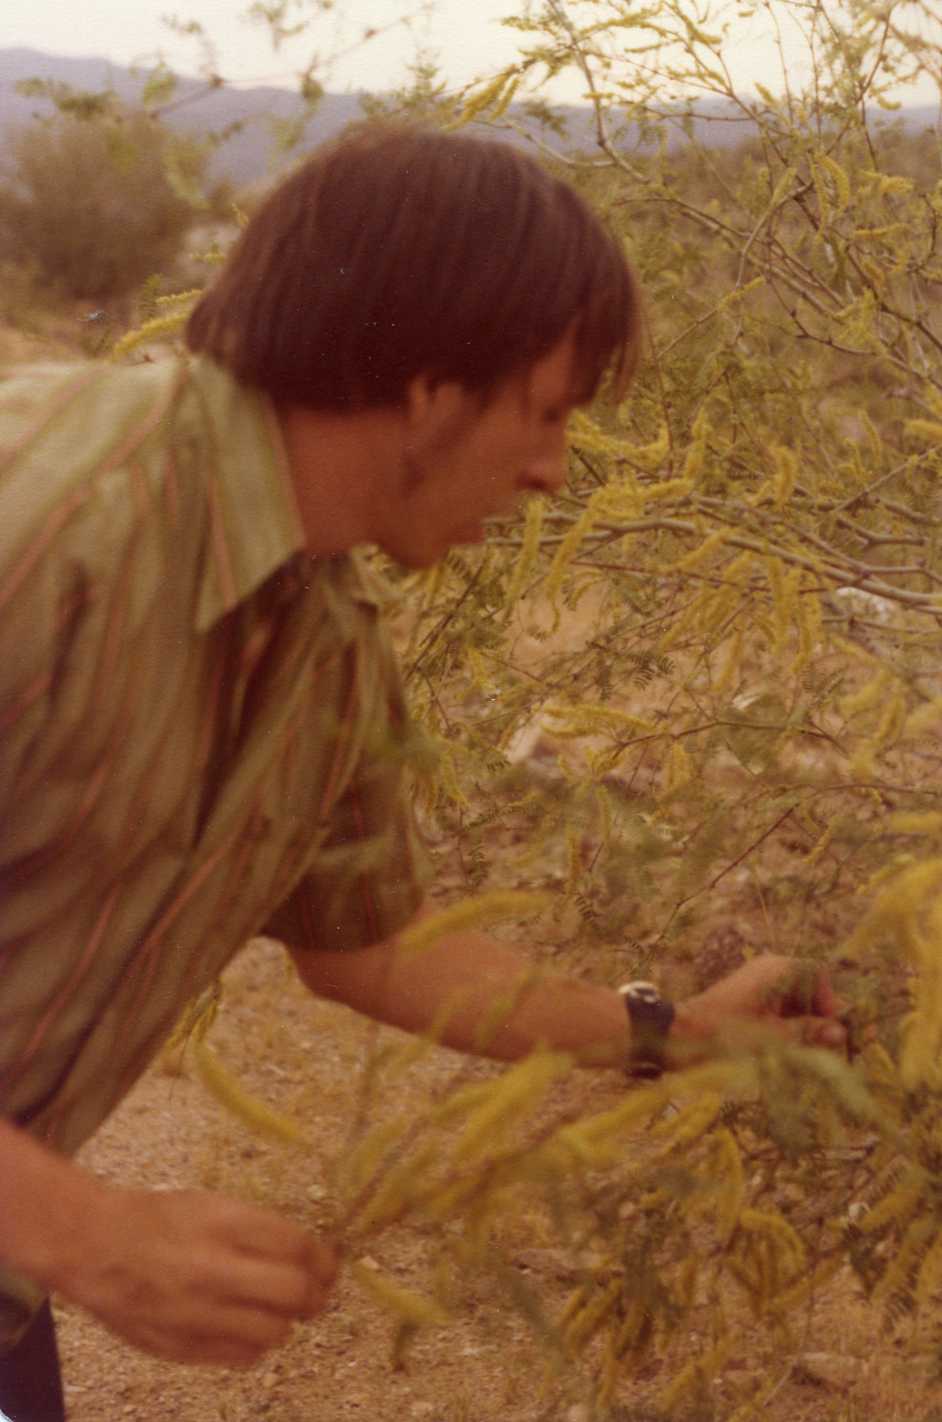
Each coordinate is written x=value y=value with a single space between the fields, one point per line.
x=651 y=1017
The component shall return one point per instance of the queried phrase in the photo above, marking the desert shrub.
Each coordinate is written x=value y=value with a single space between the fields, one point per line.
x=96 y=204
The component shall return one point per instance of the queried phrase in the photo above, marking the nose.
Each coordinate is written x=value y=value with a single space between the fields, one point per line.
x=547 y=471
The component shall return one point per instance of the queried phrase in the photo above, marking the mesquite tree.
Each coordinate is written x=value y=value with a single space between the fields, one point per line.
x=714 y=659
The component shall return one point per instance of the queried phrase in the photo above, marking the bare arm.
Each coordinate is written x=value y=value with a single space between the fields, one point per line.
x=186 y=1275
x=468 y=973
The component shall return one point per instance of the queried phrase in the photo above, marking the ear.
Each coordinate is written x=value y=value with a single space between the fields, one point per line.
x=433 y=409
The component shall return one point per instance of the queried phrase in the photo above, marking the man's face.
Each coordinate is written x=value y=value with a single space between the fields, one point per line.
x=468 y=463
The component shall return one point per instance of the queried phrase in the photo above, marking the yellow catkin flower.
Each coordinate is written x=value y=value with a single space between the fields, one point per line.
x=840 y=179
x=176 y=298
x=488 y=97
x=517 y=1093
x=584 y=1324
x=699 y=555
x=868 y=696
x=878 y=234
x=821 y=845
x=732 y=662
x=651 y=456
x=680 y=626
x=153 y=330
x=775 y=573
x=601 y=1137
x=738 y=294
x=877 y=276
x=929 y=1278
x=796 y=1294
x=506 y=98
x=568 y=721
x=700 y=1372
x=810 y=624
x=891 y=184
x=529 y=552
x=915 y=822
x=929 y=430
x=729 y=1170
x=896 y=1207
x=820 y=188
x=405 y=1304
x=923 y=719
x=692 y=1123
x=922 y=1035
x=566 y=552
x=862 y=764
x=583 y=433
x=666 y=489
x=778 y=1232
x=393 y=1193
x=679 y=768
x=902 y=1270
x=786 y=612
x=572 y=1306
x=248 y=1109
x=699 y=436
x=786 y=474
x=891 y=722
x=782 y=189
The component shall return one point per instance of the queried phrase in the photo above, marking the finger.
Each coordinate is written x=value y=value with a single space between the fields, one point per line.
x=252 y=1332
x=804 y=990
x=821 y=1032
x=323 y=1260
x=262 y=1233
x=241 y=1348
x=282 y=1289
x=826 y=1002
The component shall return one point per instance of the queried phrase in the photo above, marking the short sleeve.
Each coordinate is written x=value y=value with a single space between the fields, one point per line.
x=370 y=874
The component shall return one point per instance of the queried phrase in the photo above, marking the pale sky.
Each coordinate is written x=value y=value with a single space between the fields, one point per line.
x=465 y=36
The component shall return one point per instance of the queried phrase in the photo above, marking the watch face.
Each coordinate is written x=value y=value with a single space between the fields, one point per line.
x=651 y=1017
x=641 y=992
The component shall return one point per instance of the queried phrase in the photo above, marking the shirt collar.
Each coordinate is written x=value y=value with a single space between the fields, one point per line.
x=254 y=523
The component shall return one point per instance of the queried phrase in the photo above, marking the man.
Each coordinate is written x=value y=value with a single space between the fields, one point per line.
x=203 y=731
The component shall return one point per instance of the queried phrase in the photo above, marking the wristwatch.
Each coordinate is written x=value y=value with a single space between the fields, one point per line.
x=650 y=1016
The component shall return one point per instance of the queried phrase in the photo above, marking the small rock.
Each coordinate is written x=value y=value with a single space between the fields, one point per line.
x=579 y=1413
x=270 y=1380
x=829 y=1369
x=369 y=1262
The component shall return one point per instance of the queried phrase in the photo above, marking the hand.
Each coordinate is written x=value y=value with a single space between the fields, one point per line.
x=194 y=1277
x=793 y=1000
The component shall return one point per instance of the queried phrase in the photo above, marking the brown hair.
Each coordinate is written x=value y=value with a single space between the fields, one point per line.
x=400 y=251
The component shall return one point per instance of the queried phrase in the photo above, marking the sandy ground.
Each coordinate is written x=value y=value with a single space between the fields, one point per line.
x=304 y=1056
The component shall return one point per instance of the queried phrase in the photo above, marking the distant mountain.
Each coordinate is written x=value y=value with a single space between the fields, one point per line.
x=251 y=154
x=246 y=157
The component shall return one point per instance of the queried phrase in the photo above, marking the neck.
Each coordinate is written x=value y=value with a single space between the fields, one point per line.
x=340 y=466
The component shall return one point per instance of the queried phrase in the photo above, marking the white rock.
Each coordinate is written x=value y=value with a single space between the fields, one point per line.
x=858 y=603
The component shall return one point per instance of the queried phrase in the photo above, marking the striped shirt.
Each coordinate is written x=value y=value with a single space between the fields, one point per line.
x=202 y=729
